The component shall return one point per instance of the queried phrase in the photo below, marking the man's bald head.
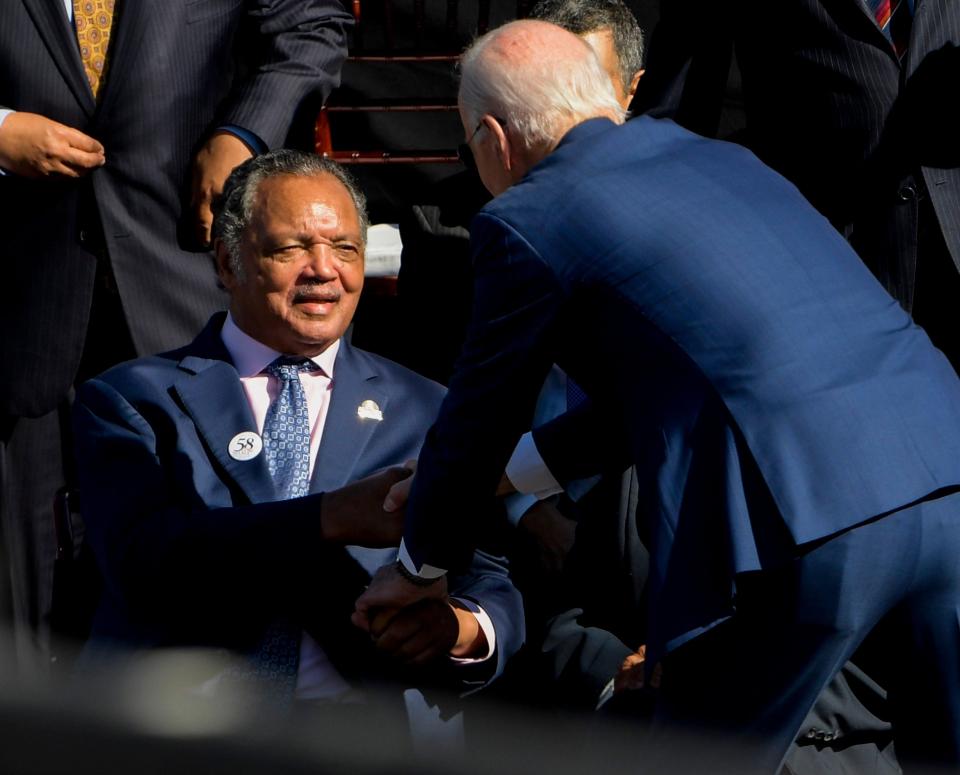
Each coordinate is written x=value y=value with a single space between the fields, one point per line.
x=537 y=78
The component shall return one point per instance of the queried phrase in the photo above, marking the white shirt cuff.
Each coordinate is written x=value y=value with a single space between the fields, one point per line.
x=4 y=112
x=528 y=473
x=486 y=626
x=424 y=571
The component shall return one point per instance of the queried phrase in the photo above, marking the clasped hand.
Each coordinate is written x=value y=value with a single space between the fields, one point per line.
x=418 y=634
x=425 y=629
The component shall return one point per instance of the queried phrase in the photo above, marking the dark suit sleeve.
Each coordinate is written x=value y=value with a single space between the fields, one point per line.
x=488 y=584
x=491 y=399
x=292 y=50
x=201 y=572
x=581 y=443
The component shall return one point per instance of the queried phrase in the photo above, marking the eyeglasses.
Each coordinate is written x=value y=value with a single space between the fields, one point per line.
x=476 y=129
x=464 y=152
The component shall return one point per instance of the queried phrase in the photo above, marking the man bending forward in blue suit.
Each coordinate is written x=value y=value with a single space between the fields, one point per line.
x=796 y=436
x=216 y=479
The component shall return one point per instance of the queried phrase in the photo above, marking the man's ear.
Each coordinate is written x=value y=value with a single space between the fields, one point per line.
x=221 y=259
x=501 y=139
x=635 y=81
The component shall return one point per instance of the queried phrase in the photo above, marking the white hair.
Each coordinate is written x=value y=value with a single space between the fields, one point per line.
x=539 y=91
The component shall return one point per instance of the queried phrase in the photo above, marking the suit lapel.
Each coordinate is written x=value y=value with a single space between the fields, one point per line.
x=58 y=36
x=211 y=393
x=346 y=434
x=924 y=31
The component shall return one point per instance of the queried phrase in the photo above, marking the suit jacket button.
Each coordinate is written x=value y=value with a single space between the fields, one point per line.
x=908 y=192
x=811 y=733
x=83 y=237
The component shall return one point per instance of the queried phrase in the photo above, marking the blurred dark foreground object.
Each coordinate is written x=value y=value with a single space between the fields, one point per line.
x=148 y=714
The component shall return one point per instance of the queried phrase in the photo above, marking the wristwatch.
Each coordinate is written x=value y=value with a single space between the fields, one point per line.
x=413 y=578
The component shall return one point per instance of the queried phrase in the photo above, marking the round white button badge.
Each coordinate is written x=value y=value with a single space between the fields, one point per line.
x=245 y=446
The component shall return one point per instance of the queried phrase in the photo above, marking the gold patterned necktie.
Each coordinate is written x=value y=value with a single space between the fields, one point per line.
x=93 y=20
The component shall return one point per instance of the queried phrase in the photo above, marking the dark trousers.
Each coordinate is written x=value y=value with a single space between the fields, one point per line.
x=36 y=466
x=752 y=680
x=31 y=471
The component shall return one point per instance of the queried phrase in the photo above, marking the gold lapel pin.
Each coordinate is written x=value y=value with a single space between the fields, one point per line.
x=369 y=410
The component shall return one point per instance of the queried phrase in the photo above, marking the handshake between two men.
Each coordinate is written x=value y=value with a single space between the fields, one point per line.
x=370 y=513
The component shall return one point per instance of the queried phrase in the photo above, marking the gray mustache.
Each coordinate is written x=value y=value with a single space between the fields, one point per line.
x=316 y=294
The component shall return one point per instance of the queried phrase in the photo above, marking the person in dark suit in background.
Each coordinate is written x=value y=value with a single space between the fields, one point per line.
x=795 y=435
x=217 y=502
x=112 y=145
x=852 y=102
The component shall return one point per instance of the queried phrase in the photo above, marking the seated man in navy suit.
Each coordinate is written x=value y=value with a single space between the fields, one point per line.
x=219 y=480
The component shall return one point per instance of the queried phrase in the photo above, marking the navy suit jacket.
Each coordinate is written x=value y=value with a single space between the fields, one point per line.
x=176 y=71
x=770 y=392
x=192 y=545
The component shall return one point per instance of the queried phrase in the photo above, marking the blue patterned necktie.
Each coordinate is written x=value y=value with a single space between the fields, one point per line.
x=286 y=444
x=286 y=429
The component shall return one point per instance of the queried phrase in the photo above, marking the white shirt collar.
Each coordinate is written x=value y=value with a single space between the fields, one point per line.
x=251 y=357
